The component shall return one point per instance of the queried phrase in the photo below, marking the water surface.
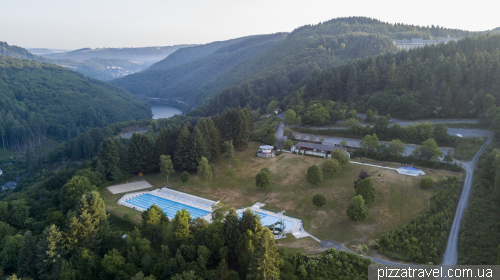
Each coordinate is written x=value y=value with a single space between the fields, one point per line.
x=161 y=111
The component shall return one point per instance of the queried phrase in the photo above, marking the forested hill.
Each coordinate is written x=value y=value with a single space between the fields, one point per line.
x=145 y=55
x=453 y=80
x=188 y=54
x=280 y=67
x=40 y=100
x=193 y=81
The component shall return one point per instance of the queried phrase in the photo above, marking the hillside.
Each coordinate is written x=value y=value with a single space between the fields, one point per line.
x=202 y=76
x=188 y=54
x=283 y=65
x=145 y=56
x=455 y=80
x=40 y=100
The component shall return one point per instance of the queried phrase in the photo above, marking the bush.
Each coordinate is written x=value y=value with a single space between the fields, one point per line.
x=231 y=173
x=266 y=169
x=426 y=183
x=287 y=144
x=319 y=199
x=366 y=188
x=357 y=210
x=236 y=163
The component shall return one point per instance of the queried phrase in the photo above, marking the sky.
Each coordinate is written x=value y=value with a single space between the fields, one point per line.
x=63 y=24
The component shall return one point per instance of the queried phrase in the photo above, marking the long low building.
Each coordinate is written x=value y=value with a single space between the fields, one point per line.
x=315 y=149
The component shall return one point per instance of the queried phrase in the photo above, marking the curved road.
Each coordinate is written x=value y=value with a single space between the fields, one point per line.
x=451 y=254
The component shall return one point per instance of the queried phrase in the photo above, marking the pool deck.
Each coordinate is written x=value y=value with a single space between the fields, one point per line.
x=298 y=228
x=205 y=204
x=128 y=187
x=172 y=195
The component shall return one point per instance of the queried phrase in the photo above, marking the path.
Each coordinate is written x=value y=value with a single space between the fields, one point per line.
x=451 y=254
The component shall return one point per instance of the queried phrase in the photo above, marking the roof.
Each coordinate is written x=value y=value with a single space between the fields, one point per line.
x=267 y=147
x=318 y=146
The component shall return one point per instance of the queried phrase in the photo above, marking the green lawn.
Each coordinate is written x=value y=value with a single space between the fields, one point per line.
x=399 y=197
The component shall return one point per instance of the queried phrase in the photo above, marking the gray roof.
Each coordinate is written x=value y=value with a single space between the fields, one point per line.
x=318 y=146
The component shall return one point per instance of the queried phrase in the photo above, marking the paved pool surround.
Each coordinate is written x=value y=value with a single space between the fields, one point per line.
x=171 y=201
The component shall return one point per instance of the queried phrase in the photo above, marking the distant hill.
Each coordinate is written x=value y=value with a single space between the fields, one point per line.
x=202 y=76
x=96 y=68
x=188 y=54
x=145 y=56
x=45 y=100
x=277 y=65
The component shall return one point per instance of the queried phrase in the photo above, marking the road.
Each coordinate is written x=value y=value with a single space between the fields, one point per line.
x=333 y=244
x=451 y=253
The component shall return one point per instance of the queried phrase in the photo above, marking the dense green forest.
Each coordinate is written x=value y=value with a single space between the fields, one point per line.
x=276 y=71
x=479 y=240
x=447 y=80
x=39 y=100
x=54 y=225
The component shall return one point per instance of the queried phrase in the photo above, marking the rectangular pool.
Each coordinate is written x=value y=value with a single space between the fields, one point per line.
x=270 y=220
x=169 y=207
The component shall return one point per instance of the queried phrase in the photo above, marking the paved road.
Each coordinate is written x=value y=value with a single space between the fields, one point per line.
x=333 y=244
x=451 y=254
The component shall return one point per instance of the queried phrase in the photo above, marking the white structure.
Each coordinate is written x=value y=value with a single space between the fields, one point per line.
x=410 y=171
x=420 y=43
x=1 y=172
x=265 y=151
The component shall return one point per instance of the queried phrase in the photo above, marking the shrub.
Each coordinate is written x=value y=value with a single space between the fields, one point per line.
x=357 y=210
x=366 y=188
x=287 y=144
x=266 y=169
x=319 y=199
x=231 y=173
x=426 y=183
x=236 y=163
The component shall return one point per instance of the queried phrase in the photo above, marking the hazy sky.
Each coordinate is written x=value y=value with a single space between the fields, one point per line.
x=72 y=24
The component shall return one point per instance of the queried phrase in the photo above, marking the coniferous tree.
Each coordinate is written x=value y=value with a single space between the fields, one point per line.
x=198 y=149
x=27 y=256
x=162 y=142
x=71 y=193
x=141 y=154
x=50 y=253
x=182 y=155
x=266 y=260
x=108 y=163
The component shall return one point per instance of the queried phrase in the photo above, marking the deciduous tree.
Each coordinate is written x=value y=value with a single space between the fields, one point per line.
x=314 y=175
x=356 y=210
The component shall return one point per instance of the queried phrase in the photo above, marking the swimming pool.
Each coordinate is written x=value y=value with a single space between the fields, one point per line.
x=269 y=220
x=169 y=207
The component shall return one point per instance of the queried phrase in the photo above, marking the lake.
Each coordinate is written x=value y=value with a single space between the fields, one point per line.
x=161 y=111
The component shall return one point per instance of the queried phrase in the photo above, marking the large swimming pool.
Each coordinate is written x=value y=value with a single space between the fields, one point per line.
x=169 y=207
x=269 y=220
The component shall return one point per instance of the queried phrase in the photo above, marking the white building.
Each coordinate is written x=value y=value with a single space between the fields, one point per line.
x=420 y=43
x=1 y=172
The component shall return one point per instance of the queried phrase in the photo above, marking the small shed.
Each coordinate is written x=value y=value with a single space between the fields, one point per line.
x=265 y=151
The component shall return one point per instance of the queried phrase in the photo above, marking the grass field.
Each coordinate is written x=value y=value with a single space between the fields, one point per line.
x=399 y=197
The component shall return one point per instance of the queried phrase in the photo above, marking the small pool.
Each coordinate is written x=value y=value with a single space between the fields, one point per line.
x=169 y=207
x=269 y=220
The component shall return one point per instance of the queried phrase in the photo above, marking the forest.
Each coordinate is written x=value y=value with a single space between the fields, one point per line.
x=54 y=225
x=40 y=100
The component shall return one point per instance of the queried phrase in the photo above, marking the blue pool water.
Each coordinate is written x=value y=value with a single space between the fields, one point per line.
x=269 y=220
x=169 y=207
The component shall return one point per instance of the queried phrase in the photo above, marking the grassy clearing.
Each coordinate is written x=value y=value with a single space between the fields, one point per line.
x=399 y=198
x=467 y=148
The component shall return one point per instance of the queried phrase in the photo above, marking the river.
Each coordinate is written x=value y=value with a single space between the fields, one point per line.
x=161 y=111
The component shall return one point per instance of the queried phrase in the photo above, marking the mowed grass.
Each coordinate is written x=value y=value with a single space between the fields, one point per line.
x=399 y=197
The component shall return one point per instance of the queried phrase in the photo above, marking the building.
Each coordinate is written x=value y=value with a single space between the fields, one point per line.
x=265 y=151
x=9 y=185
x=1 y=172
x=420 y=43
x=315 y=149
